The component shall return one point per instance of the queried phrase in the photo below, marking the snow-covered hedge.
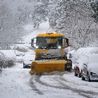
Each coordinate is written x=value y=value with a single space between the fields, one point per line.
x=7 y=58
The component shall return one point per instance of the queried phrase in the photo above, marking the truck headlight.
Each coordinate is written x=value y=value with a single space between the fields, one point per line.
x=36 y=46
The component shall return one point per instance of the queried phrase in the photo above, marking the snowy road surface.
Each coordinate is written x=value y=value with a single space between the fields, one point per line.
x=18 y=83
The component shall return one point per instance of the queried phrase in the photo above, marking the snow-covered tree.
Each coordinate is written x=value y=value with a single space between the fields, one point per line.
x=14 y=14
x=74 y=19
x=71 y=17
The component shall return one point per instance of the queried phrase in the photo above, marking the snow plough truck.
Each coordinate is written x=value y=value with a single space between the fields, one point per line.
x=50 y=53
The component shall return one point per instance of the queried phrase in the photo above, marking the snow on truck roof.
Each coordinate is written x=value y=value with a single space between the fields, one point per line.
x=52 y=34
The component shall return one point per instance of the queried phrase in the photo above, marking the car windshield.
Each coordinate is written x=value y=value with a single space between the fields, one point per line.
x=49 y=42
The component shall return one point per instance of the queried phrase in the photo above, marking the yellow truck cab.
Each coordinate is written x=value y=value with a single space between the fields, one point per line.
x=50 y=53
x=50 y=45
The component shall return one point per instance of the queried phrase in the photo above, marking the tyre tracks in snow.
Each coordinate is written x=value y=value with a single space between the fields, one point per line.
x=33 y=86
x=62 y=85
x=86 y=94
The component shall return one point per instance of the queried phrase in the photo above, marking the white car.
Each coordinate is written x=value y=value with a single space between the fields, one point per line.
x=27 y=59
x=90 y=68
x=81 y=56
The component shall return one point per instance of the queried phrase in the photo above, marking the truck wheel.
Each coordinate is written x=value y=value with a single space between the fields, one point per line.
x=88 y=77
x=76 y=71
x=68 y=67
x=83 y=78
x=75 y=74
x=79 y=75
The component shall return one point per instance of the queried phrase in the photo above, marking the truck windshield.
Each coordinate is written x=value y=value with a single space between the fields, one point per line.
x=49 y=43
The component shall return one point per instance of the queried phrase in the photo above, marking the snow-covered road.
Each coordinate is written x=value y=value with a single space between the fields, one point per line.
x=18 y=83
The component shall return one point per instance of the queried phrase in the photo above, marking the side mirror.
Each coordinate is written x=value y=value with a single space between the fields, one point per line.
x=65 y=42
x=33 y=42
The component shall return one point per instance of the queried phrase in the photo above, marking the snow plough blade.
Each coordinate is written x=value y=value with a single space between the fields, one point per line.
x=47 y=66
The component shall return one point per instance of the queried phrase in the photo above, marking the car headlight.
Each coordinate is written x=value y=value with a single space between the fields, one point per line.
x=59 y=47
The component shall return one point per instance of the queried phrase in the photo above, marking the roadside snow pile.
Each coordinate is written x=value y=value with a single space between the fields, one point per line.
x=7 y=58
